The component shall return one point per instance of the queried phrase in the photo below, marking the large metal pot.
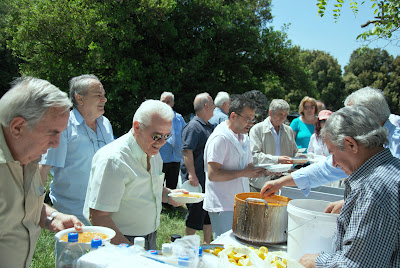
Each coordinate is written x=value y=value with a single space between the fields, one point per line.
x=260 y=220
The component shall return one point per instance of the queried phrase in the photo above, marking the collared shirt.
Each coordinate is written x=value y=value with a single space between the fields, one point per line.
x=71 y=162
x=277 y=137
x=222 y=148
x=368 y=227
x=323 y=172
x=171 y=151
x=194 y=138
x=218 y=117
x=21 y=202
x=120 y=183
x=317 y=146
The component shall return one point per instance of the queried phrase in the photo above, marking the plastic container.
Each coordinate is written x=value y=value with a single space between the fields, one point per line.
x=310 y=230
x=167 y=249
x=71 y=252
x=139 y=241
x=174 y=237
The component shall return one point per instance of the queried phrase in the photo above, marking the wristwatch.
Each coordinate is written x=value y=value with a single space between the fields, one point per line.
x=51 y=218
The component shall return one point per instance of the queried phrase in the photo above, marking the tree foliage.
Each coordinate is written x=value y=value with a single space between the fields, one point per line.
x=141 y=48
x=327 y=76
x=385 y=23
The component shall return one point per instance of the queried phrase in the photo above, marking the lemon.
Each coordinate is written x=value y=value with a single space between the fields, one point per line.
x=280 y=264
x=237 y=256
x=216 y=251
x=244 y=262
x=261 y=254
x=263 y=249
x=284 y=261
x=232 y=260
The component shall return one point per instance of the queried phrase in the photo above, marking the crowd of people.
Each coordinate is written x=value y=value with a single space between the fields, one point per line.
x=123 y=184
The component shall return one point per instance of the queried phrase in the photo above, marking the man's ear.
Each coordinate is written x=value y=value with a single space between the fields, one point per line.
x=136 y=126
x=16 y=126
x=79 y=99
x=351 y=144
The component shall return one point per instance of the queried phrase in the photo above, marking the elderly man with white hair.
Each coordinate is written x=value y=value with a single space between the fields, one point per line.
x=323 y=172
x=272 y=141
x=368 y=225
x=125 y=188
x=222 y=102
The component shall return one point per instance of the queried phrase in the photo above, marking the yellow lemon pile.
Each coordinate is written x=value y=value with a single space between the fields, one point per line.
x=279 y=262
x=240 y=259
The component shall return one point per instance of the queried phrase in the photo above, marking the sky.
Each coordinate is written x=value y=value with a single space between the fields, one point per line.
x=309 y=31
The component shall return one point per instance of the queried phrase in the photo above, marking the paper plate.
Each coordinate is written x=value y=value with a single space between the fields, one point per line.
x=97 y=229
x=263 y=165
x=301 y=150
x=192 y=197
x=195 y=189
x=279 y=167
x=300 y=160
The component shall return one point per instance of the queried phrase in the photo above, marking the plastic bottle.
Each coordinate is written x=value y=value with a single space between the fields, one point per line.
x=201 y=263
x=138 y=246
x=174 y=237
x=71 y=253
x=95 y=243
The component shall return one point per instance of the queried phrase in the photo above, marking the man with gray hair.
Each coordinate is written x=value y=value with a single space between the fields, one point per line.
x=125 y=189
x=222 y=102
x=194 y=138
x=271 y=141
x=369 y=220
x=87 y=131
x=33 y=113
x=323 y=172
x=171 y=152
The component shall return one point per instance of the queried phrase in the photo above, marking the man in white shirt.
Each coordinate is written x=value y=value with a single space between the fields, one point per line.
x=125 y=189
x=228 y=164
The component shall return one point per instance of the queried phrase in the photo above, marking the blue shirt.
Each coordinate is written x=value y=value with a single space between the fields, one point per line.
x=71 y=162
x=194 y=137
x=304 y=132
x=218 y=117
x=368 y=227
x=172 y=149
x=323 y=172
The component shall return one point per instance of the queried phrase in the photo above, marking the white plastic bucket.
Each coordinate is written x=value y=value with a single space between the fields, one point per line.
x=310 y=230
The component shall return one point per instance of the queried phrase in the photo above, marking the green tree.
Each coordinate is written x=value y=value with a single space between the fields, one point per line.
x=327 y=76
x=392 y=88
x=385 y=23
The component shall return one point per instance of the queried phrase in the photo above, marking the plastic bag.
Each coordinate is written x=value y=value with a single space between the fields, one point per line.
x=252 y=256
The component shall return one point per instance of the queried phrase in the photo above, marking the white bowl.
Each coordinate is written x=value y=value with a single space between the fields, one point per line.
x=300 y=160
x=195 y=189
x=98 y=229
x=195 y=198
x=279 y=167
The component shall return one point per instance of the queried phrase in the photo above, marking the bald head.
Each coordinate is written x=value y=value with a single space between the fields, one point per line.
x=203 y=106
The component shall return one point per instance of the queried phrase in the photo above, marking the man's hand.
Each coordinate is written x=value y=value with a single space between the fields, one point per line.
x=193 y=180
x=285 y=160
x=253 y=172
x=64 y=221
x=335 y=207
x=270 y=188
x=172 y=202
x=308 y=260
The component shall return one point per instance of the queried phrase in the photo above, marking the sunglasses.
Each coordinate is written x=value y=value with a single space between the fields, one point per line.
x=157 y=137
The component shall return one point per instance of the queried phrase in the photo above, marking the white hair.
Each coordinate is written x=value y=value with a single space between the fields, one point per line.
x=148 y=108
x=279 y=105
x=200 y=100
x=221 y=98
x=357 y=122
x=30 y=98
x=167 y=94
x=80 y=85
x=371 y=98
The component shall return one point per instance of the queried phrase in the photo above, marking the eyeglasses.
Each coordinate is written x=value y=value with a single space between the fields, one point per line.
x=157 y=137
x=249 y=121
x=309 y=107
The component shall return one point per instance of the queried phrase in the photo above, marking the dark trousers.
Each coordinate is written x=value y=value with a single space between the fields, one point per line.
x=150 y=240
x=171 y=171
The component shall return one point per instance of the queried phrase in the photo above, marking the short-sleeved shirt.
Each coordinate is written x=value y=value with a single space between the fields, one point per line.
x=171 y=151
x=194 y=137
x=120 y=183
x=21 y=201
x=218 y=117
x=304 y=132
x=71 y=162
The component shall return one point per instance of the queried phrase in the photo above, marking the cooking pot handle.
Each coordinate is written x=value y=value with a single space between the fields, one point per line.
x=257 y=200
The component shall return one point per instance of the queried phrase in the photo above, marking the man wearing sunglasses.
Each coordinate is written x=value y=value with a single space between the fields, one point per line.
x=125 y=190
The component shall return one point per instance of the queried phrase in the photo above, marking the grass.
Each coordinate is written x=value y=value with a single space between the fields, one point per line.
x=172 y=222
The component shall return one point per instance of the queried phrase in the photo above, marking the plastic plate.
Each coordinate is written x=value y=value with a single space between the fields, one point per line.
x=192 y=197
x=301 y=150
x=300 y=160
x=195 y=189
x=279 y=167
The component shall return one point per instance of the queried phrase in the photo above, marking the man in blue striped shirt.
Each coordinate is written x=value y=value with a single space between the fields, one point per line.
x=368 y=228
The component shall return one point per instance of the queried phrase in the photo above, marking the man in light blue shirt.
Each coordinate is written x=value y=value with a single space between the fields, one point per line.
x=323 y=172
x=171 y=152
x=222 y=103
x=87 y=131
